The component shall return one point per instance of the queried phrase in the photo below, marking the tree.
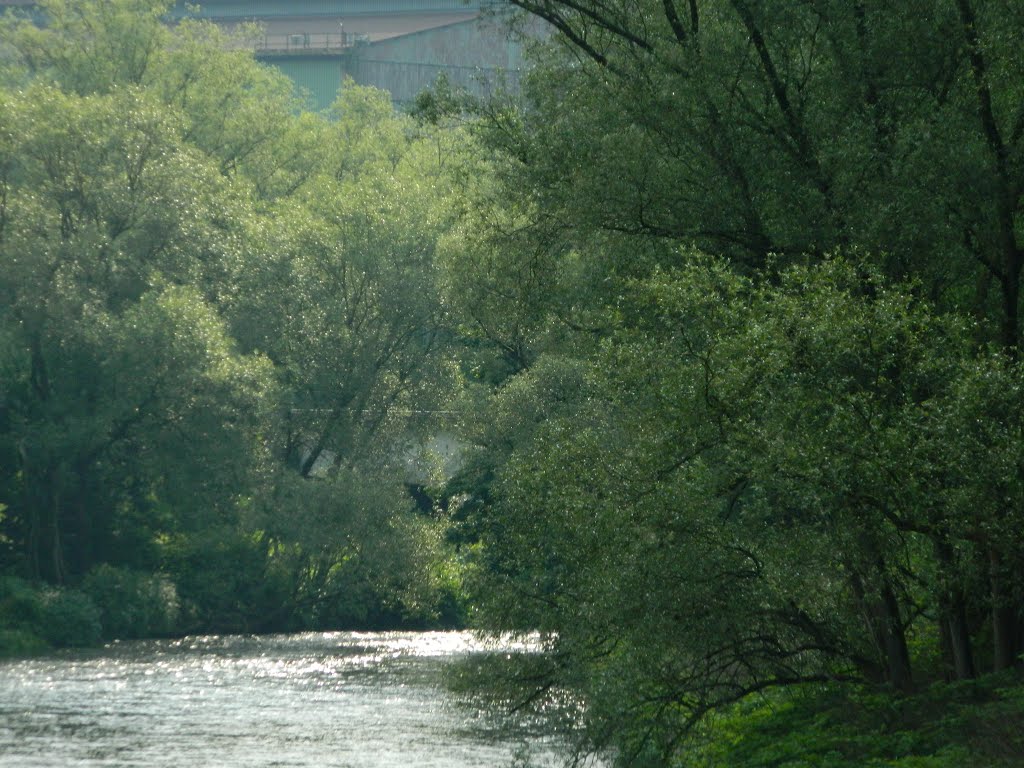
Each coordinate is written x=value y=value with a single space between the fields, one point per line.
x=774 y=135
x=219 y=324
x=97 y=223
x=748 y=487
x=757 y=128
x=342 y=297
x=90 y=47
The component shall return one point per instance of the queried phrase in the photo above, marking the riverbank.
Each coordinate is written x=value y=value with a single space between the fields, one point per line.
x=118 y=604
x=35 y=619
x=977 y=723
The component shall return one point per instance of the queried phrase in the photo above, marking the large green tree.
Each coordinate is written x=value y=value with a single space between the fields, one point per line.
x=105 y=210
x=772 y=476
x=750 y=485
x=753 y=128
x=218 y=322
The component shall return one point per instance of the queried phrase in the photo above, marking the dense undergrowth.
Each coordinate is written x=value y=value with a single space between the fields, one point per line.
x=977 y=723
x=113 y=603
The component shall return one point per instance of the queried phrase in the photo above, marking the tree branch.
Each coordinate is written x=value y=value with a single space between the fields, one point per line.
x=980 y=71
x=560 y=23
x=803 y=145
x=673 y=21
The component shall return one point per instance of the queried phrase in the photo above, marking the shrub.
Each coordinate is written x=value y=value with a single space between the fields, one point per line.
x=20 y=603
x=34 y=616
x=221 y=581
x=132 y=604
x=20 y=642
x=68 y=618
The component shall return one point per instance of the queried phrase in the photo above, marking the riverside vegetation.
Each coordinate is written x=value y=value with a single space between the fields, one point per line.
x=724 y=307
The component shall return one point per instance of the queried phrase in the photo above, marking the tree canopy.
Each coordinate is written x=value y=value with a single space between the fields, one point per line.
x=218 y=312
x=723 y=310
x=753 y=279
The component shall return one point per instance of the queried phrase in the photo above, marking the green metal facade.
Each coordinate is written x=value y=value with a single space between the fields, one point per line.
x=318 y=76
x=475 y=55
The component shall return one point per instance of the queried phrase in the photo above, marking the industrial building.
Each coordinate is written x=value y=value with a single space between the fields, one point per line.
x=401 y=46
x=398 y=45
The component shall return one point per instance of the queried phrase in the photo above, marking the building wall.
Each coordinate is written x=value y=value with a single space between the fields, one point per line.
x=401 y=46
x=320 y=76
x=476 y=54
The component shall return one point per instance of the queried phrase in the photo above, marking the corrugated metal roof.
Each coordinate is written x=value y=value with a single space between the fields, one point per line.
x=266 y=9
x=370 y=28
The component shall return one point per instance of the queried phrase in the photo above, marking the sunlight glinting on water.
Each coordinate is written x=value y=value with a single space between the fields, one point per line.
x=365 y=700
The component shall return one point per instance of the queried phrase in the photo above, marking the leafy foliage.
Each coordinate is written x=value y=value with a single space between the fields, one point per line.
x=132 y=604
x=726 y=315
x=217 y=318
x=743 y=299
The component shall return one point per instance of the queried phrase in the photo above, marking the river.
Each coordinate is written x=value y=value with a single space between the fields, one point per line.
x=359 y=700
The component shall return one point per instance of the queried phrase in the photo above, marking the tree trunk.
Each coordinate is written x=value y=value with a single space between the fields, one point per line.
x=81 y=546
x=1006 y=190
x=953 y=617
x=955 y=622
x=56 y=572
x=32 y=538
x=1004 y=619
x=882 y=615
x=896 y=654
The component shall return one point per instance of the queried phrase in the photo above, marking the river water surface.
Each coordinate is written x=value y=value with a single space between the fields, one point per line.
x=359 y=700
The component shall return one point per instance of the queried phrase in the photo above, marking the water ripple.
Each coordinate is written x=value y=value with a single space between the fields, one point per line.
x=359 y=700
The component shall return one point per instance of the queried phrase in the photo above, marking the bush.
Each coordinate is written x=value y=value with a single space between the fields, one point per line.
x=222 y=582
x=35 y=617
x=68 y=618
x=979 y=723
x=20 y=642
x=132 y=604
x=20 y=604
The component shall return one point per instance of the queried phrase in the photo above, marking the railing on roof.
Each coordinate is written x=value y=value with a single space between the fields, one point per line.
x=309 y=42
